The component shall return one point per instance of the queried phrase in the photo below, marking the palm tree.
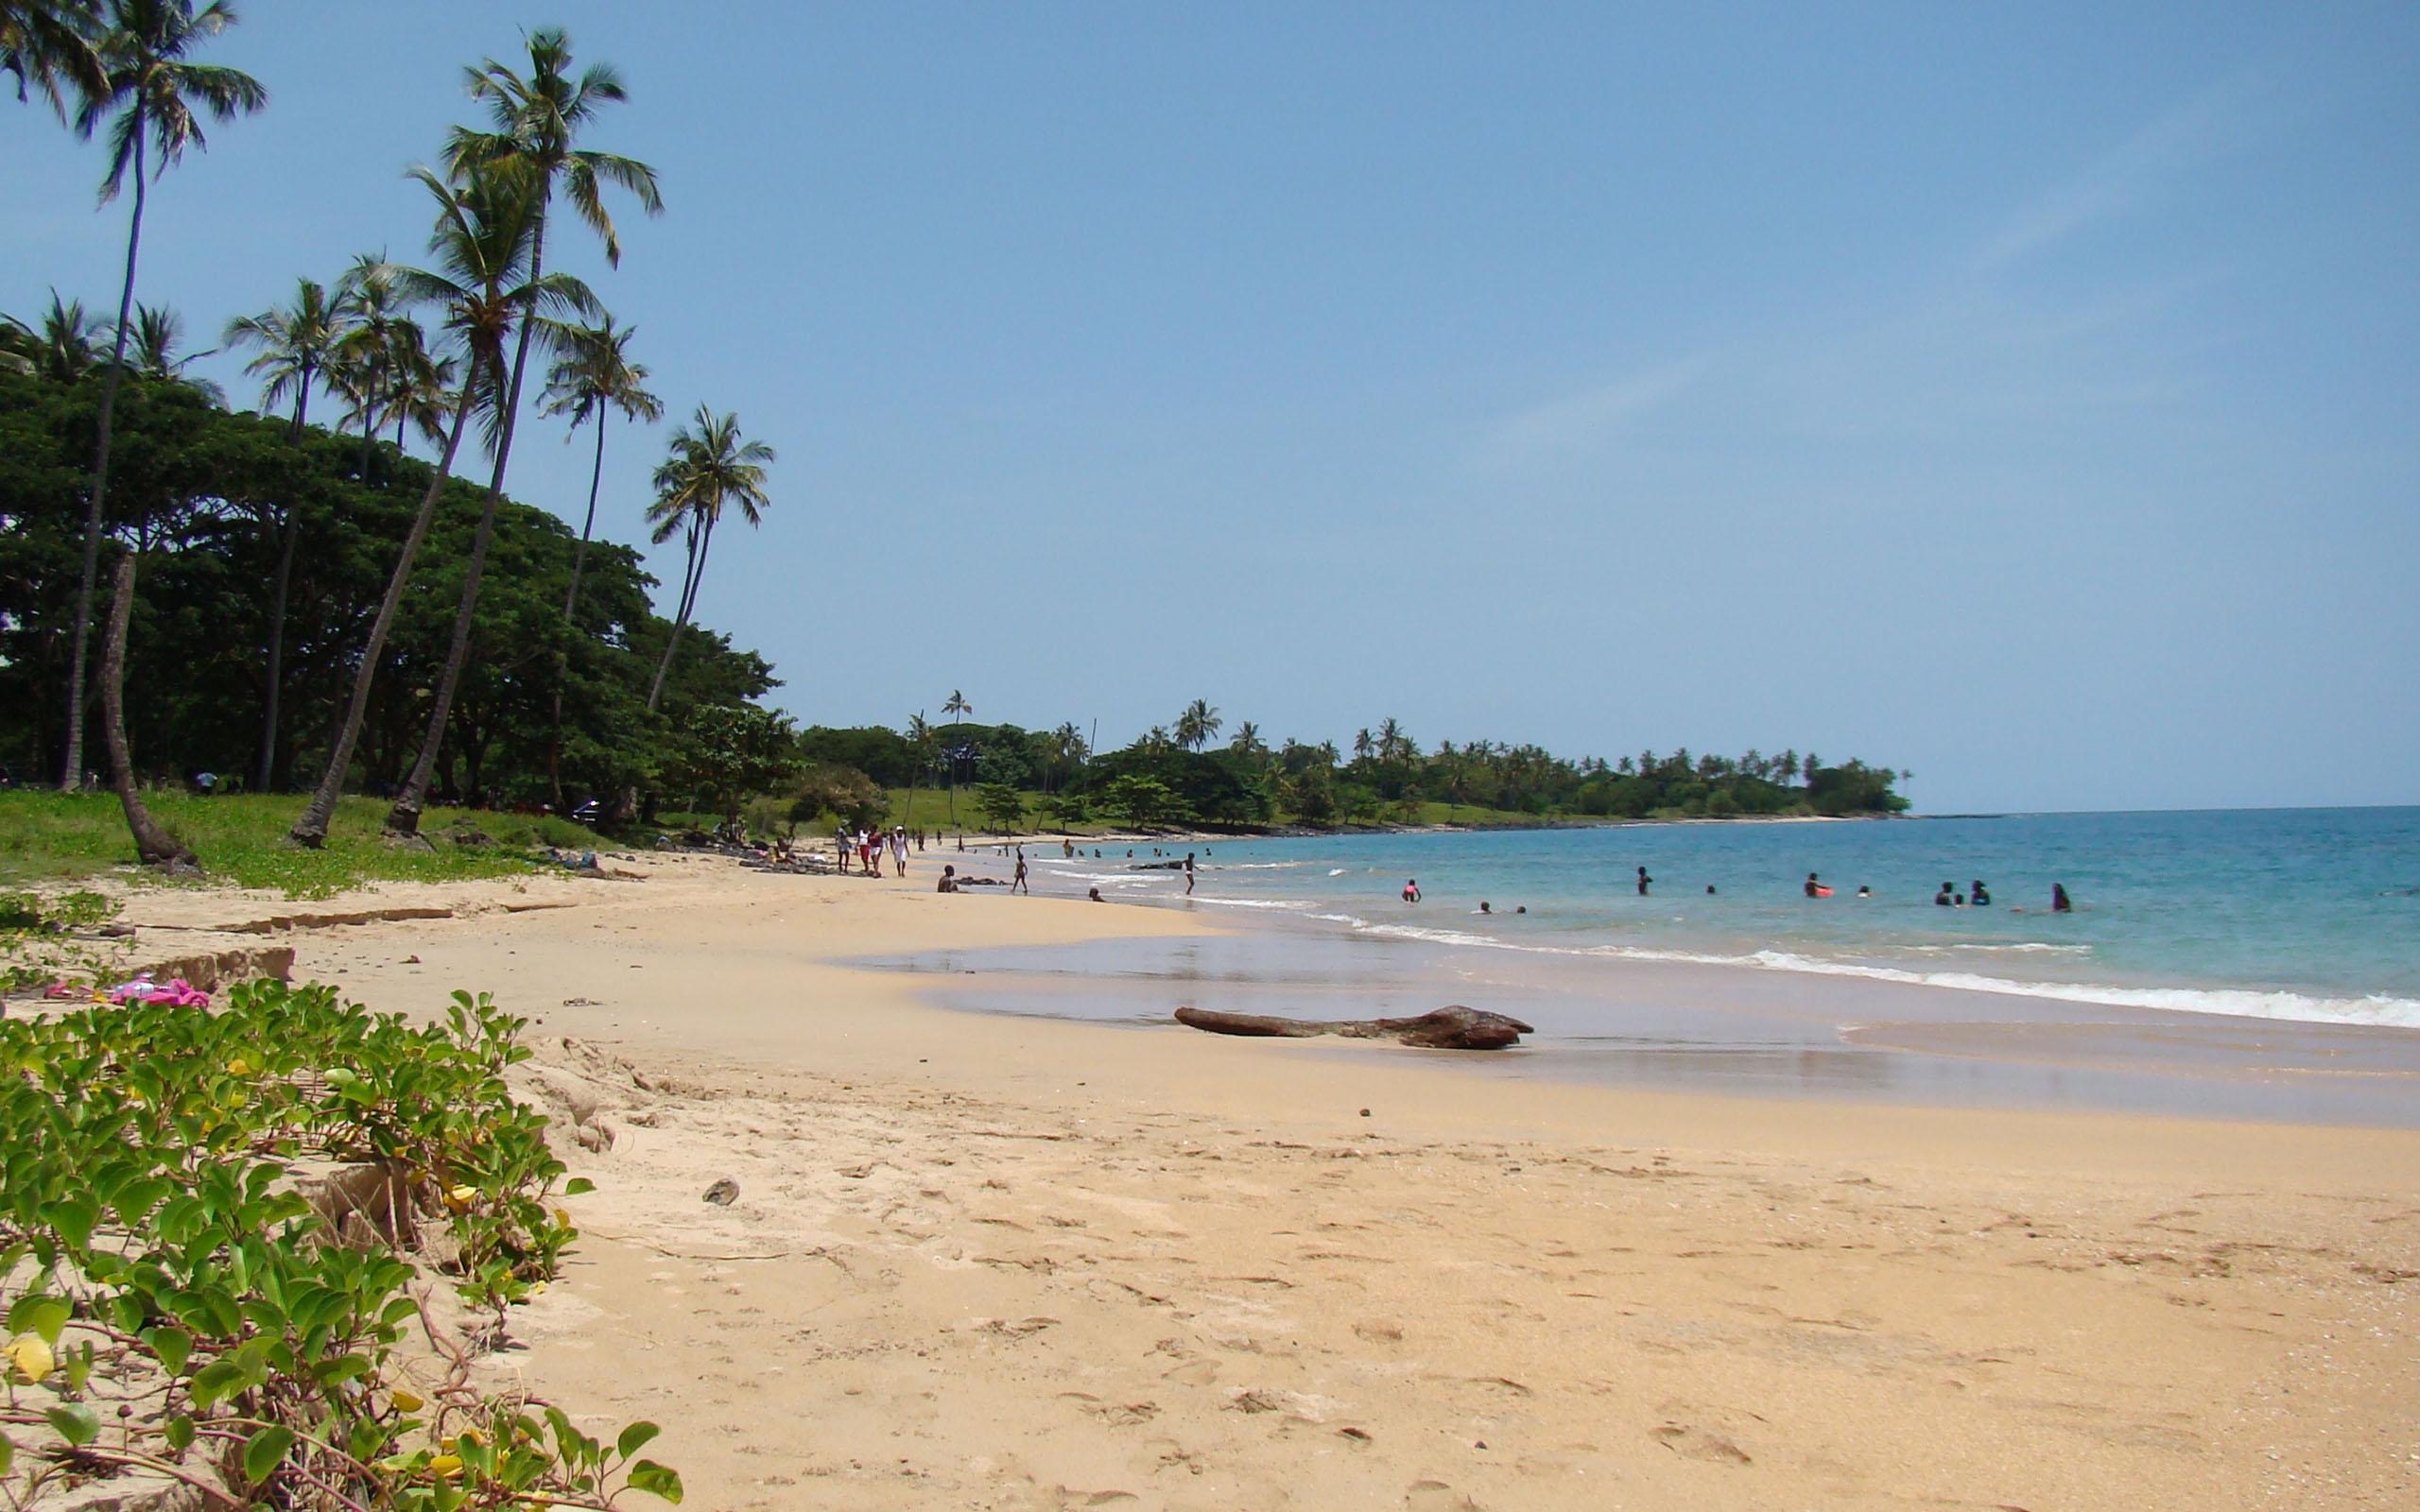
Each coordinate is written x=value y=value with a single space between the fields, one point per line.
x=159 y=332
x=709 y=468
x=957 y=709
x=67 y=348
x=299 y=343
x=45 y=43
x=535 y=120
x=363 y=367
x=919 y=754
x=1363 y=745
x=153 y=90
x=503 y=296
x=1196 y=724
x=481 y=250
x=1248 y=743
x=595 y=376
x=1393 y=744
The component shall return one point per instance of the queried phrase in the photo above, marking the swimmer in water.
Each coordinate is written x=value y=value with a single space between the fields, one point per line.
x=1864 y=891
x=1979 y=895
x=1411 y=890
x=1940 y=899
x=2059 y=902
x=1643 y=880
x=1483 y=908
x=1813 y=887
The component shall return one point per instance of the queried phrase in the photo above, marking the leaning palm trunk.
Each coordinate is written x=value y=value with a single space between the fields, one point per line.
x=403 y=818
x=312 y=828
x=74 y=775
x=688 y=602
x=153 y=846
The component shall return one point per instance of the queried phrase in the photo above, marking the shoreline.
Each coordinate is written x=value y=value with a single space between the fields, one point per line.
x=1025 y=1263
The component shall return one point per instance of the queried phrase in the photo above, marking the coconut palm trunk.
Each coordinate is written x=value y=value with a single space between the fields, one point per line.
x=265 y=770
x=153 y=846
x=72 y=776
x=312 y=828
x=696 y=575
x=403 y=818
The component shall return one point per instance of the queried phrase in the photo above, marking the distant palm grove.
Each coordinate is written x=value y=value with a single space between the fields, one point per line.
x=1184 y=774
x=291 y=599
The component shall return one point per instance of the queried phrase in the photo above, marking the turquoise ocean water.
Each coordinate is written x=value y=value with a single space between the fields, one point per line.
x=2309 y=915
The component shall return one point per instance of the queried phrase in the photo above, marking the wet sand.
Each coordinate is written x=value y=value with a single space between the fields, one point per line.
x=1003 y=1261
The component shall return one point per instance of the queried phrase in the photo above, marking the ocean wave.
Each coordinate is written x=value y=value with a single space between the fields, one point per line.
x=2241 y=1003
x=1258 y=865
x=1251 y=902
x=2373 y=1009
x=1981 y=948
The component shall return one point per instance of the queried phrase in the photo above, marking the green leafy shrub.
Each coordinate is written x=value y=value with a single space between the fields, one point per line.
x=195 y=1287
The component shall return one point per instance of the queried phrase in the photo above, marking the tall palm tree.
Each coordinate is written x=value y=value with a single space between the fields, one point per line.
x=481 y=252
x=299 y=343
x=45 y=45
x=957 y=709
x=534 y=120
x=151 y=93
x=595 y=376
x=709 y=468
x=510 y=295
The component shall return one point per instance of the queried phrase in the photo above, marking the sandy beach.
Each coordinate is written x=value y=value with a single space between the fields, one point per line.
x=994 y=1261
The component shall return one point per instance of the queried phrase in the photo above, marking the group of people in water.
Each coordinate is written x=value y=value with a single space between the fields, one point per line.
x=1980 y=896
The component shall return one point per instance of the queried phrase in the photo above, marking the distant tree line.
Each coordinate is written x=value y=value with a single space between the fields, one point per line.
x=1176 y=774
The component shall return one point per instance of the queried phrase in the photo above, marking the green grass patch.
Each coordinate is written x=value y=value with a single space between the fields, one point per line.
x=49 y=837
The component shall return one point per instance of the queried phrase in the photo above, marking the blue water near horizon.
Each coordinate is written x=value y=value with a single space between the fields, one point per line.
x=2310 y=915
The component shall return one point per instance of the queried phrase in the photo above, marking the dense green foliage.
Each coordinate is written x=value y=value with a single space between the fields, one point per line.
x=160 y=1250
x=198 y=490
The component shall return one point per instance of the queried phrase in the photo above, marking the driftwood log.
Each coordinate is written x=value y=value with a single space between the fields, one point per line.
x=1452 y=1027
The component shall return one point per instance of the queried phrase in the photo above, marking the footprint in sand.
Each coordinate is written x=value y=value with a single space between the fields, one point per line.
x=1436 y=1496
x=1693 y=1442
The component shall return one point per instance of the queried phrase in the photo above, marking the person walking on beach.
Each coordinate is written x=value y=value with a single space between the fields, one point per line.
x=1643 y=880
x=1021 y=885
x=899 y=849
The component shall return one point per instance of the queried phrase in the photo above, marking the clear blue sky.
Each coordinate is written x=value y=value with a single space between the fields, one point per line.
x=2023 y=394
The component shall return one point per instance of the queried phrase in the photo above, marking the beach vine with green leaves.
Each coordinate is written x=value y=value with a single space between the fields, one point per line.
x=216 y=1242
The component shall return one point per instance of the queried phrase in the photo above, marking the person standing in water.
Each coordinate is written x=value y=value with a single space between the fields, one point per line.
x=1941 y=898
x=2059 y=901
x=1814 y=888
x=1021 y=885
x=1643 y=880
x=1189 y=873
x=1411 y=890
